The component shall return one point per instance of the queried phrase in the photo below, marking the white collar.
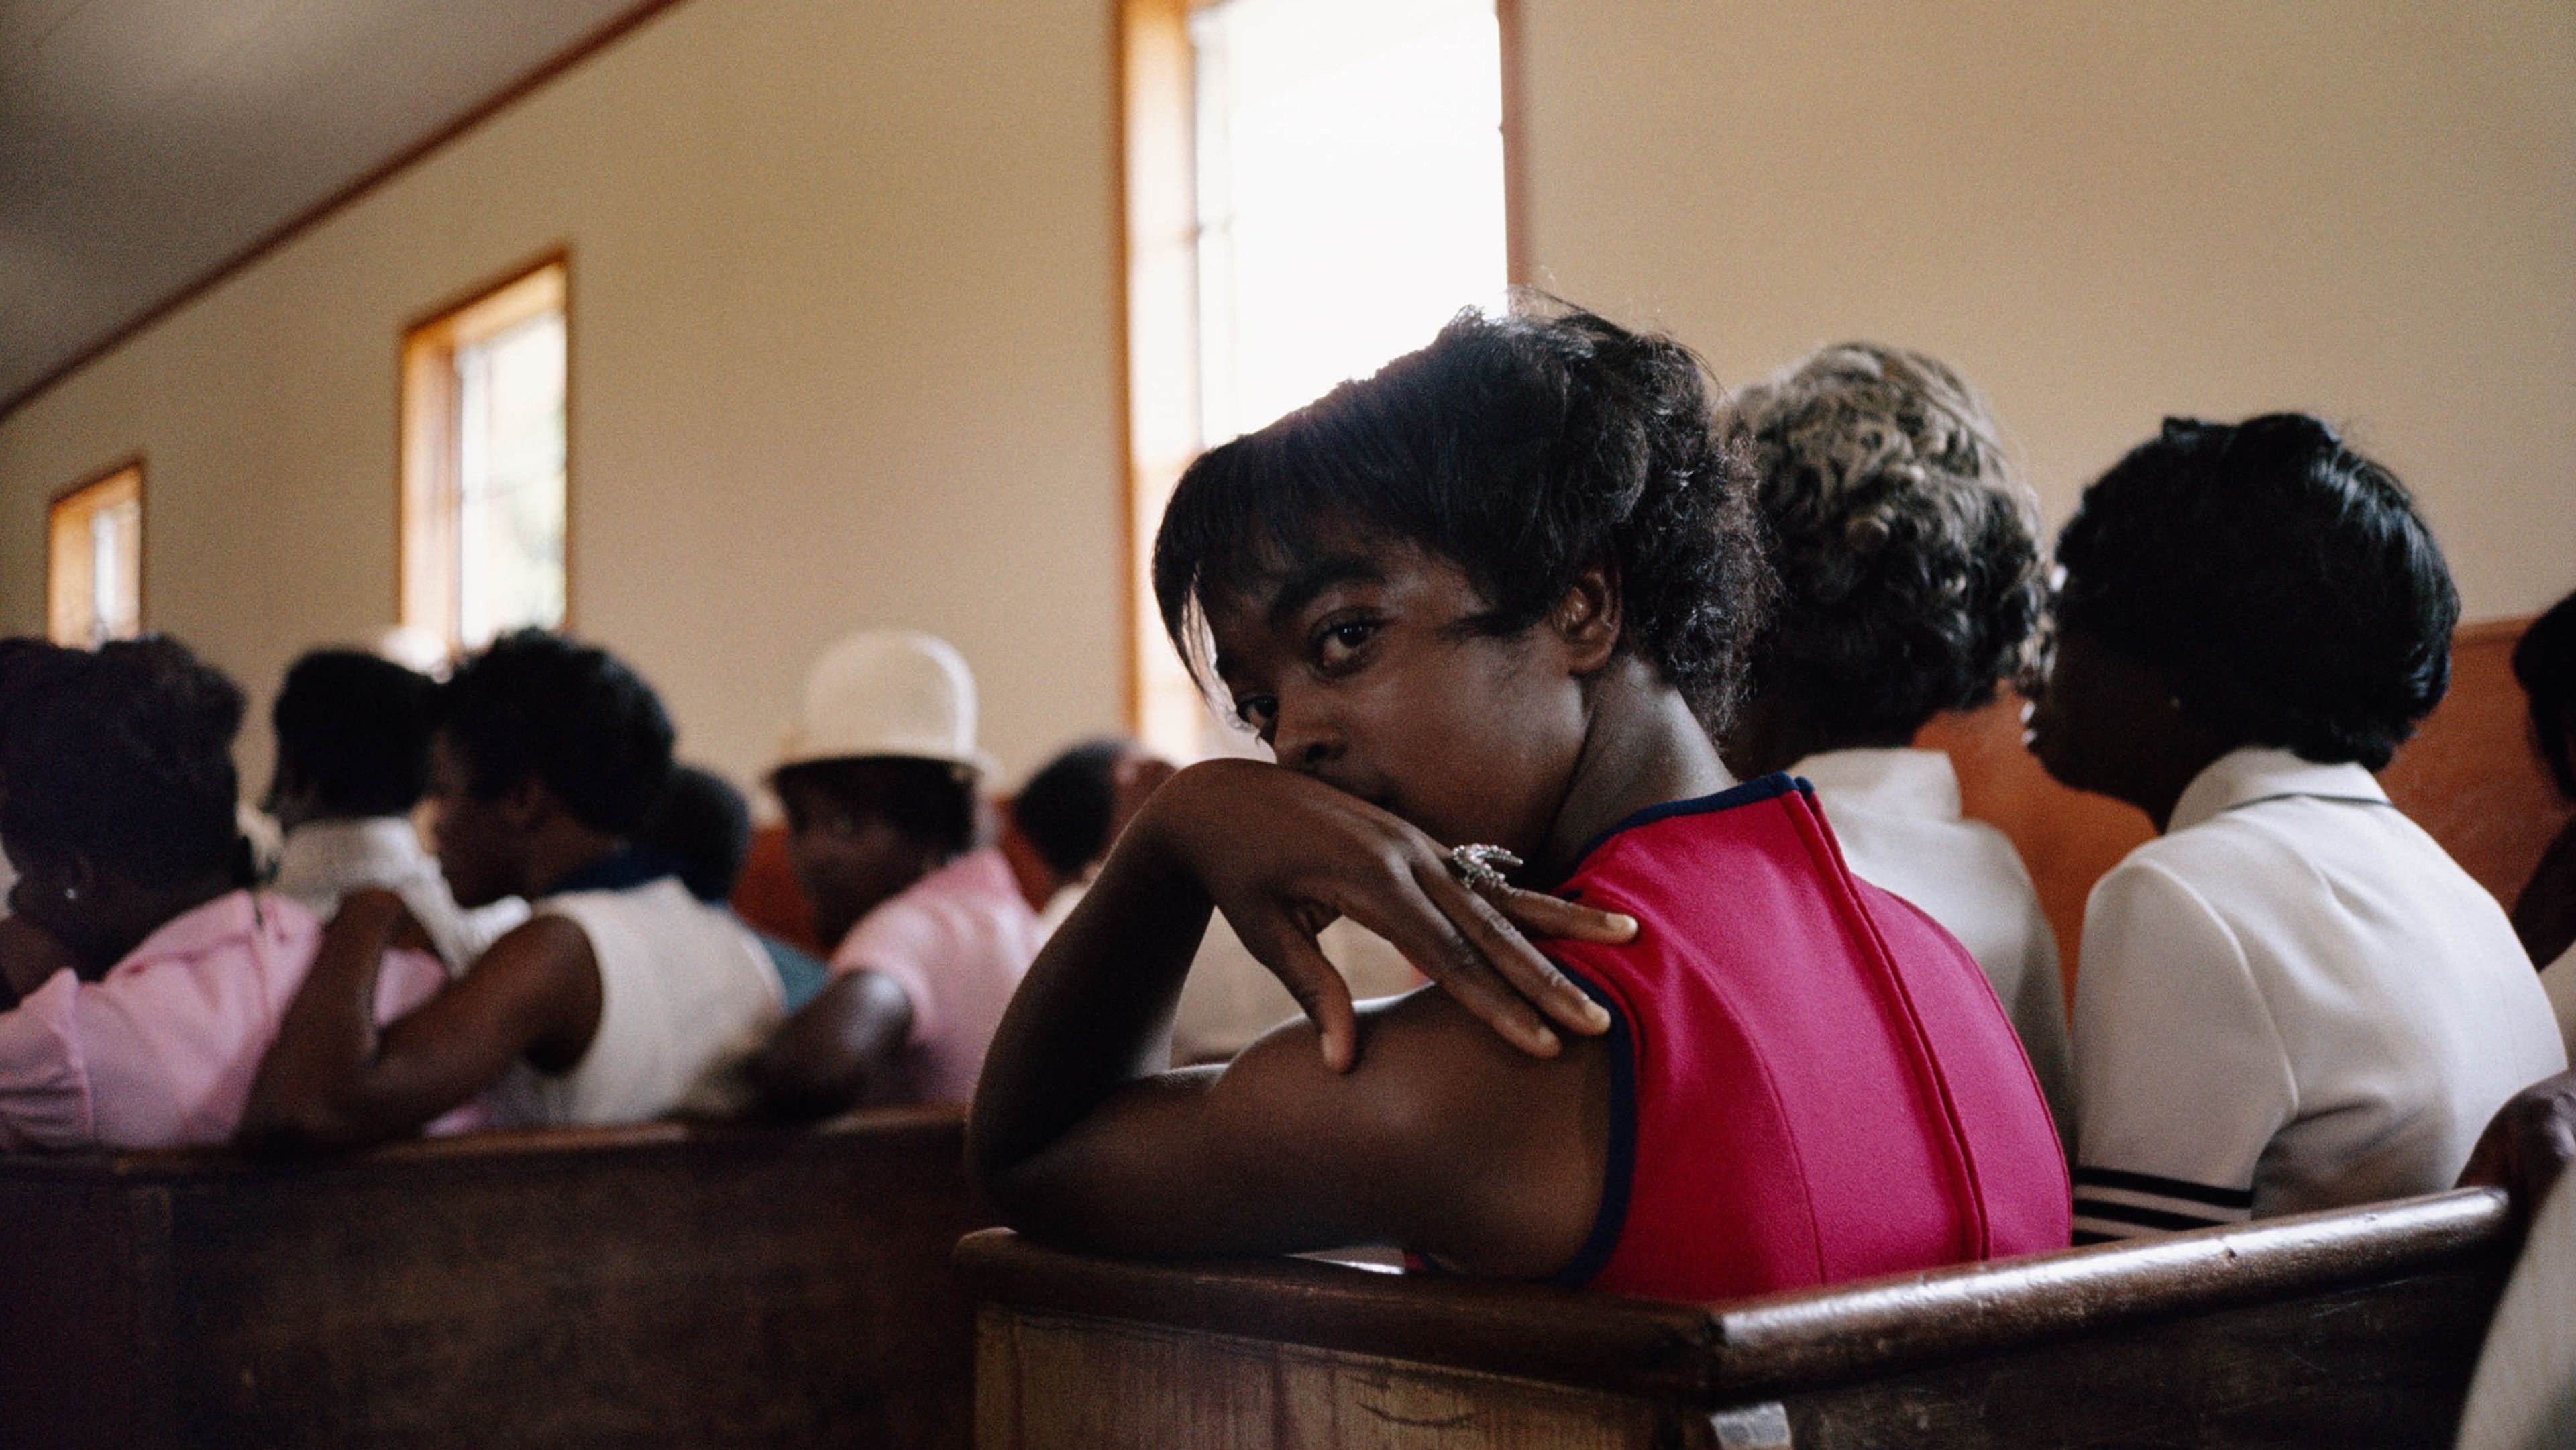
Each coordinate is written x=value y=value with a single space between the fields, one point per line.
x=334 y=847
x=2259 y=773
x=1899 y=782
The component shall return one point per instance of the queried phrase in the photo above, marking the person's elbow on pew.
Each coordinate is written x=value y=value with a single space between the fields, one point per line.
x=2528 y=1143
x=840 y=1051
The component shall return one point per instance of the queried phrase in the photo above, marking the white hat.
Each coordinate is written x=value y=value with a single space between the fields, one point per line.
x=887 y=692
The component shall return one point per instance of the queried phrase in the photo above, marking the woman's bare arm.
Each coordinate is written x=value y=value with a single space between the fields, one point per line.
x=333 y=1080
x=838 y=1052
x=1453 y=1120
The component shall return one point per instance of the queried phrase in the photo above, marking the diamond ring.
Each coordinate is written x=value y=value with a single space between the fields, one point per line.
x=1481 y=867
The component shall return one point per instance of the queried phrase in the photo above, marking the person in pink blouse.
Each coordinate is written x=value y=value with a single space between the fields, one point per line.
x=117 y=793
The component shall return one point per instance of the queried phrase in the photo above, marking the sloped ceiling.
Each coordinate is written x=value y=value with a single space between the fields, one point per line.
x=146 y=145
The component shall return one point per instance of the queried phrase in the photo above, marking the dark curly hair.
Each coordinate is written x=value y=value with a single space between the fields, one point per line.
x=703 y=830
x=1907 y=546
x=570 y=715
x=1524 y=448
x=2544 y=664
x=353 y=728
x=125 y=756
x=1065 y=808
x=2284 y=581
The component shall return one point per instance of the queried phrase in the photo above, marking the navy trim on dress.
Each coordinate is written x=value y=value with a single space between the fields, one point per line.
x=621 y=870
x=1753 y=792
x=2182 y=1188
x=1611 y=1220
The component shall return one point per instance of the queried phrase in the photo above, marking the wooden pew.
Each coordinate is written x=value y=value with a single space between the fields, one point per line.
x=2346 y=1329
x=650 y=1286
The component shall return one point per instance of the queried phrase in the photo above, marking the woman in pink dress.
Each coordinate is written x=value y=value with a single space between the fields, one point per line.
x=162 y=976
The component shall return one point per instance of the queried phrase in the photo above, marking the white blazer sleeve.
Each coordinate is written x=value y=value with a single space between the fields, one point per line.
x=2181 y=1077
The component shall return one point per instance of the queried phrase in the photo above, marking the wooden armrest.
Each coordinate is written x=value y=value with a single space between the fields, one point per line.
x=1726 y=1352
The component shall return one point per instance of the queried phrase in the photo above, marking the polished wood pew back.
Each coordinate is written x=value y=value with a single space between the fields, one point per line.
x=651 y=1286
x=2349 y=1329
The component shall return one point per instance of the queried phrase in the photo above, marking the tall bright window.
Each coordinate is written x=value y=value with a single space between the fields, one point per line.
x=94 y=561
x=1314 y=186
x=484 y=463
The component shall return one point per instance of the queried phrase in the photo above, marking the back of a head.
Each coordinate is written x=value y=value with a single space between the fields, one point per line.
x=1524 y=448
x=1906 y=545
x=1067 y=808
x=24 y=663
x=704 y=826
x=573 y=716
x=2282 y=580
x=353 y=729
x=2544 y=664
x=124 y=756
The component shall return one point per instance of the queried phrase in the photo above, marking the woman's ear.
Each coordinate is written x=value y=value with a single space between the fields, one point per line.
x=526 y=805
x=1586 y=620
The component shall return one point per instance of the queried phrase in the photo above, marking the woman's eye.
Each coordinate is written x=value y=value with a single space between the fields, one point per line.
x=1256 y=710
x=1342 y=641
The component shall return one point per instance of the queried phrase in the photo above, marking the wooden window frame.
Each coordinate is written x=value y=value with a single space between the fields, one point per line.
x=1157 y=198
x=83 y=498
x=428 y=489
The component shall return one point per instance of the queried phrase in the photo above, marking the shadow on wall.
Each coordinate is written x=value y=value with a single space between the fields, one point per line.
x=2469 y=776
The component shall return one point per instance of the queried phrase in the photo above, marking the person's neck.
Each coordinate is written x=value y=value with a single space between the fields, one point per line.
x=1643 y=747
x=559 y=854
x=151 y=908
x=1776 y=730
x=2162 y=772
x=1037 y=880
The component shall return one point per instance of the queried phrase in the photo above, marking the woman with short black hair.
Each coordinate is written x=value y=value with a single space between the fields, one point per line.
x=1484 y=608
x=2294 y=999
x=621 y=998
x=2544 y=914
x=1911 y=583
x=119 y=815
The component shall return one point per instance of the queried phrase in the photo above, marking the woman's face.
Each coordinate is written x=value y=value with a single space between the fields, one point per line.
x=2088 y=711
x=847 y=861
x=474 y=838
x=1368 y=669
x=98 y=919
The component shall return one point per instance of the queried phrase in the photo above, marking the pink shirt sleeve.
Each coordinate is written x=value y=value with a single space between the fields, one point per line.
x=44 y=1083
x=158 y=1057
x=902 y=939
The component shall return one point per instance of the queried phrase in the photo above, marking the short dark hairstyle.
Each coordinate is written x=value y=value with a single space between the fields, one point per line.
x=573 y=716
x=125 y=756
x=1524 y=448
x=1907 y=546
x=1065 y=808
x=2544 y=663
x=704 y=828
x=2282 y=580
x=353 y=728
x=24 y=663
x=929 y=801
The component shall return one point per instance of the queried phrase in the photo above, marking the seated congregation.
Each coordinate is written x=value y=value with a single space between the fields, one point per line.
x=1587 y=695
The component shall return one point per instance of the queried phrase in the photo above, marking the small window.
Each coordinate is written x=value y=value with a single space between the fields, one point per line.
x=1313 y=187
x=484 y=463
x=94 y=561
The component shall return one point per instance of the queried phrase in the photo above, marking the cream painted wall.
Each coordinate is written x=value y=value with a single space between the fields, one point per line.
x=2105 y=213
x=846 y=325
x=845 y=352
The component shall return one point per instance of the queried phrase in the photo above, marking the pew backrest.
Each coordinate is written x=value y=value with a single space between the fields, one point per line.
x=2355 y=1328
x=644 y=1286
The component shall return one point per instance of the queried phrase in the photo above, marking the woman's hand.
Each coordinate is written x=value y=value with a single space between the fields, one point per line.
x=29 y=957
x=1282 y=855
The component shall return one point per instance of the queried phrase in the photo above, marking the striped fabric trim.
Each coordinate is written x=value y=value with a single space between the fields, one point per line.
x=2113 y=1203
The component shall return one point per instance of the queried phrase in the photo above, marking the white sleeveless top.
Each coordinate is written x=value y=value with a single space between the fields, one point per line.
x=686 y=994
